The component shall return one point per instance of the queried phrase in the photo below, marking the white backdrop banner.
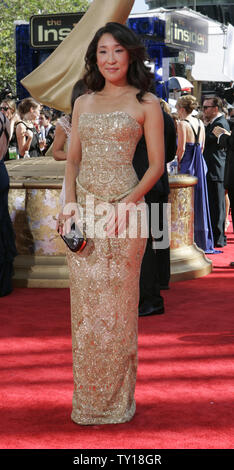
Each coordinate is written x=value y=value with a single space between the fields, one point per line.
x=228 y=65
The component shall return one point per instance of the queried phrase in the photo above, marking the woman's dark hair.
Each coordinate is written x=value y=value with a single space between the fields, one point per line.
x=79 y=89
x=138 y=74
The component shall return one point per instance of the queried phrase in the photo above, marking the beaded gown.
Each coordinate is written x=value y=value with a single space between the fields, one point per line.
x=104 y=278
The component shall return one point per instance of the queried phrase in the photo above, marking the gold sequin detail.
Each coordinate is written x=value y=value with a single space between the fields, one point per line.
x=104 y=280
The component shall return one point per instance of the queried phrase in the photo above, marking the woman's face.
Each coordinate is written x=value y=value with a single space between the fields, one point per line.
x=5 y=108
x=35 y=113
x=112 y=59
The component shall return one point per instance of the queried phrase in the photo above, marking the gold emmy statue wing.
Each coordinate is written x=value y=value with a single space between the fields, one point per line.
x=51 y=83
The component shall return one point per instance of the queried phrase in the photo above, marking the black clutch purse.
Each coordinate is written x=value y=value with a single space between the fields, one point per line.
x=75 y=239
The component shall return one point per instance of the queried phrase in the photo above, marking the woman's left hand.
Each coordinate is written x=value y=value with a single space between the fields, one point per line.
x=65 y=219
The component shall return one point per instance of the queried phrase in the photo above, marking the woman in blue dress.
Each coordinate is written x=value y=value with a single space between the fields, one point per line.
x=191 y=139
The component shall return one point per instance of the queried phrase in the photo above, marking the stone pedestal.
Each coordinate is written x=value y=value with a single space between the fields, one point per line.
x=187 y=260
x=34 y=203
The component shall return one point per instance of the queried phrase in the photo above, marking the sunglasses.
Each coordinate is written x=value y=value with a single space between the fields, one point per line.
x=3 y=108
x=205 y=107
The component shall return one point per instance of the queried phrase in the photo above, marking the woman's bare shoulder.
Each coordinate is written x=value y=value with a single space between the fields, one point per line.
x=182 y=124
x=83 y=102
x=20 y=127
x=150 y=104
x=150 y=101
x=150 y=98
x=63 y=125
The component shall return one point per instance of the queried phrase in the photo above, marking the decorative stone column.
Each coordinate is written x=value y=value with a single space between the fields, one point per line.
x=187 y=260
x=35 y=187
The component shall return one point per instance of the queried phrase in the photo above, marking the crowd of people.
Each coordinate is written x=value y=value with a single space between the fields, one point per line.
x=34 y=128
x=202 y=146
x=120 y=131
x=204 y=150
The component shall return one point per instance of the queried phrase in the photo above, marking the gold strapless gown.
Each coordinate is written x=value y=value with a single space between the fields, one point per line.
x=104 y=279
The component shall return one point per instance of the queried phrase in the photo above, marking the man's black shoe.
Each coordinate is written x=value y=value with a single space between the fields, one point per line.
x=222 y=244
x=150 y=310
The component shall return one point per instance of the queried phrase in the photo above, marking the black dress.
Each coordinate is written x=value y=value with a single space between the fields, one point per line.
x=7 y=237
x=34 y=150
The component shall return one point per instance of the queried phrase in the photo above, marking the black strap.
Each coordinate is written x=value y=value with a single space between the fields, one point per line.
x=32 y=129
x=196 y=135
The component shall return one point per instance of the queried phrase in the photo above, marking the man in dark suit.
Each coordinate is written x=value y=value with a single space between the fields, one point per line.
x=215 y=157
x=151 y=302
x=226 y=140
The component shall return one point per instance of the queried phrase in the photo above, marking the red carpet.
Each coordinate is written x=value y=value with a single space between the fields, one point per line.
x=184 y=390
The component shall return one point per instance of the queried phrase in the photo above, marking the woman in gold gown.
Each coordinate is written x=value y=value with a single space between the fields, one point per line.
x=104 y=279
